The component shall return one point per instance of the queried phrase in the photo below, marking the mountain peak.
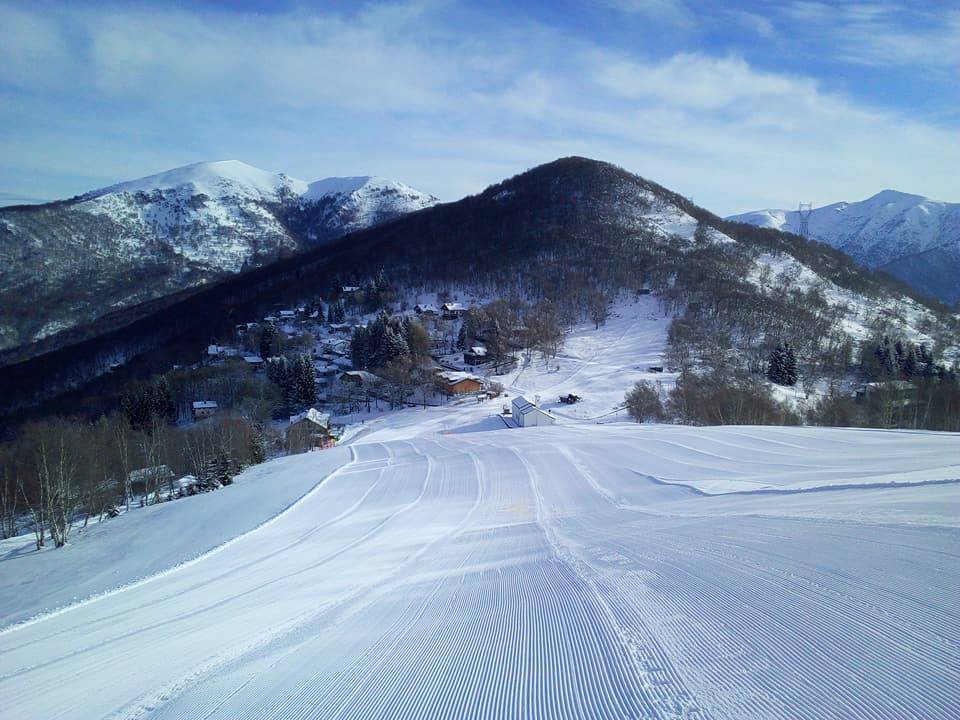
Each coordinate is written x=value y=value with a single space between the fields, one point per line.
x=206 y=177
x=889 y=195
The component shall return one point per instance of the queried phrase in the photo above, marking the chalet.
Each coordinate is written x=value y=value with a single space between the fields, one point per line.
x=146 y=479
x=203 y=409
x=452 y=310
x=326 y=371
x=350 y=289
x=896 y=392
x=287 y=314
x=359 y=377
x=459 y=383
x=253 y=361
x=309 y=430
x=425 y=310
x=476 y=355
x=526 y=414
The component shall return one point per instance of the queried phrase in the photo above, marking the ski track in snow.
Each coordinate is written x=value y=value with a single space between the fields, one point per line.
x=545 y=573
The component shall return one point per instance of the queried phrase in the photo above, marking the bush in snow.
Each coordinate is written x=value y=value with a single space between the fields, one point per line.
x=643 y=402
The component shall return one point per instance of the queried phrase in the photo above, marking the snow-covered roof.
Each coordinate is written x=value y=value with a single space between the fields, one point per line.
x=204 y=404
x=361 y=375
x=253 y=359
x=451 y=306
x=313 y=415
x=478 y=350
x=147 y=473
x=213 y=349
x=454 y=376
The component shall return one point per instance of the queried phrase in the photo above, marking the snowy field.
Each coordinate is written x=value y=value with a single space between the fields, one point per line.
x=450 y=569
x=600 y=365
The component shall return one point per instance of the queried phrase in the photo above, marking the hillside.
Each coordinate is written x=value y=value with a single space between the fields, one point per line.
x=911 y=237
x=67 y=263
x=571 y=231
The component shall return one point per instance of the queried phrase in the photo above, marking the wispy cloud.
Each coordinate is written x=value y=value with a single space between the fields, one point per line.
x=882 y=34
x=97 y=95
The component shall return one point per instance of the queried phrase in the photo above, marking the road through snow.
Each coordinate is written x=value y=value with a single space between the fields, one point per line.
x=591 y=571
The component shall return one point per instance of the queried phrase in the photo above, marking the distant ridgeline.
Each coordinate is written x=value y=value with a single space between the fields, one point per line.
x=567 y=231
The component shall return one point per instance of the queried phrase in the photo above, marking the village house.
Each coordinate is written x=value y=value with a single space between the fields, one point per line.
x=459 y=383
x=204 y=409
x=253 y=361
x=309 y=430
x=896 y=392
x=476 y=355
x=144 y=480
x=359 y=377
x=452 y=310
x=425 y=310
x=526 y=414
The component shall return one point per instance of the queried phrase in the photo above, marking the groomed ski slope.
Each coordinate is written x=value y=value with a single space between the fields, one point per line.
x=585 y=571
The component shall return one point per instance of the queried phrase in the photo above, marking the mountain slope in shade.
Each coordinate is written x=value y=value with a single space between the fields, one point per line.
x=910 y=236
x=69 y=262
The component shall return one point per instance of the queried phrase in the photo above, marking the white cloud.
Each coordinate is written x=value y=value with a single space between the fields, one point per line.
x=400 y=90
x=881 y=34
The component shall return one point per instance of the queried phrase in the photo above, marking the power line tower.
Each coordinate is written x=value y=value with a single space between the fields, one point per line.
x=804 y=211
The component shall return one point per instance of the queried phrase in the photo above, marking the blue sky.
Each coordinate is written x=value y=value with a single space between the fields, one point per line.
x=738 y=105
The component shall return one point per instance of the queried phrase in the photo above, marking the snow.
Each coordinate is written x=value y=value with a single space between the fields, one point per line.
x=365 y=197
x=582 y=570
x=150 y=540
x=882 y=228
x=601 y=364
x=208 y=178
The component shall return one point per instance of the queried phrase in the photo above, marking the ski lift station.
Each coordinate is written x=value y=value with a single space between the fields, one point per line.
x=526 y=414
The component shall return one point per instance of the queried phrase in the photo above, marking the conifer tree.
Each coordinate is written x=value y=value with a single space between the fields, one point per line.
x=782 y=368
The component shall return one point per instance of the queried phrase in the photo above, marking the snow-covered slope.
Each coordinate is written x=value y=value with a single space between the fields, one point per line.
x=69 y=262
x=217 y=179
x=353 y=203
x=881 y=231
x=574 y=571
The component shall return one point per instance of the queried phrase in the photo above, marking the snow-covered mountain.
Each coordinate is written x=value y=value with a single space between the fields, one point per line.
x=910 y=236
x=71 y=261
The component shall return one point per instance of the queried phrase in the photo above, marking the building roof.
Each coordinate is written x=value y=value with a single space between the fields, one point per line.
x=253 y=359
x=361 y=375
x=453 y=306
x=149 y=473
x=204 y=404
x=454 y=377
x=213 y=349
x=523 y=406
x=478 y=350
x=313 y=415
x=892 y=385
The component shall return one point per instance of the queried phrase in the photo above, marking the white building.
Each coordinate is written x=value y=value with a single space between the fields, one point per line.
x=526 y=414
x=204 y=409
